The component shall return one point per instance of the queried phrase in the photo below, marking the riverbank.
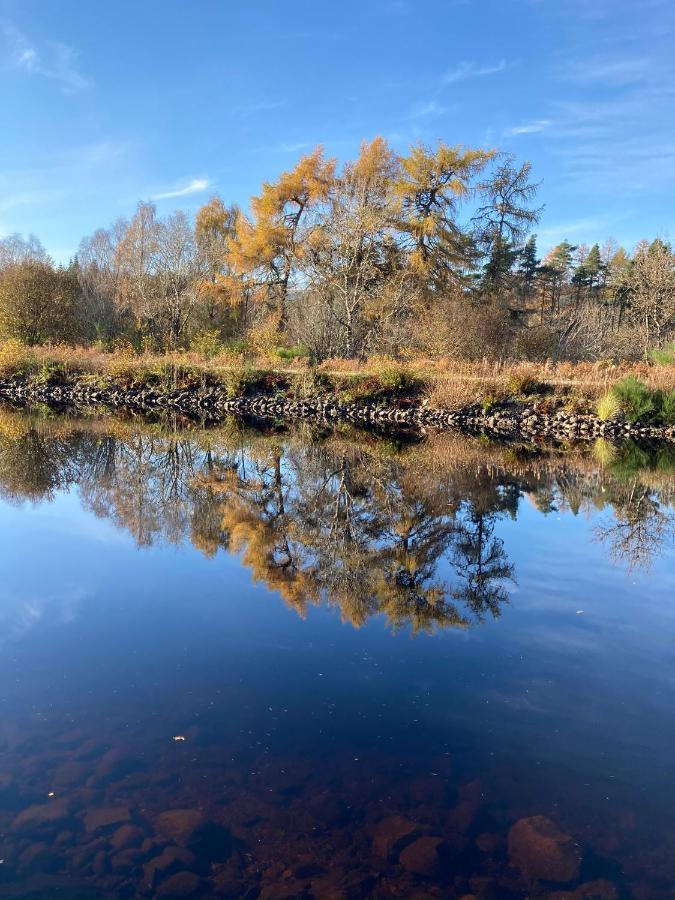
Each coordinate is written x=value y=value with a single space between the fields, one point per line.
x=546 y=415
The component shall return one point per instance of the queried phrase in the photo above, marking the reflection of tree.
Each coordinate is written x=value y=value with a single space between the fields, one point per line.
x=639 y=527
x=481 y=565
x=367 y=531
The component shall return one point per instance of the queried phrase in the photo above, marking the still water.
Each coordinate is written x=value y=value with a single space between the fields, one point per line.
x=303 y=664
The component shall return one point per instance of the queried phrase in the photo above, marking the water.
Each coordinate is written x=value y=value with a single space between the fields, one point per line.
x=311 y=665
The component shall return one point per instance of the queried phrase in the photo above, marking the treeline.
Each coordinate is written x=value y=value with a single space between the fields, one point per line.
x=431 y=253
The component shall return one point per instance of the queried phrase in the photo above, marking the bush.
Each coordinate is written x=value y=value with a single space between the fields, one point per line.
x=292 y=352
x=608 y=406
x=522 y=384
x=668 y=407
x=636 y=400
x=207 y=344
x=665 y=356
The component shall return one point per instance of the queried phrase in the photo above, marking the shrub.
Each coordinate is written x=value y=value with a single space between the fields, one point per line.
x=522 y=384
x=292 y=352
x=636 y=400
x=608 y=406
x=668 y=407
x=665 y=356
x=207 y=344
x=15 y=357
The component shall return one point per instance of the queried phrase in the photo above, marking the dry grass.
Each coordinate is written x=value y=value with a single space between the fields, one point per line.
x=446 y=383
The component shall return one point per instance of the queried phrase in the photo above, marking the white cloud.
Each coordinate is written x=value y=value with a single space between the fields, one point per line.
x=427 y=110
x=291 y=147
x=463 y=71
x=55 y=61
x=610 y=72
x=196 y=186
x=528 y=128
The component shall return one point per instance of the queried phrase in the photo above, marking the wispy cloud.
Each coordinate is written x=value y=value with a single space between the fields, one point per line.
x=528 y=128
x=196 y=186
x=258 y=106
x=55 y=61
x=608 y=72
x=576 y=229
x=464 y=71
x=291 y=147
x=427 y=110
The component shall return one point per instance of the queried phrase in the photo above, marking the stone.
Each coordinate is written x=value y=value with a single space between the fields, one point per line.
x=127 y=836
x=469 y=801
x=171 y=860
x=116 y=764
x=391 y=834
x=542 y=851
x=181 y=825
x=126 y=861
x=43 y=816
x=421 y=857
x=600 y=889
x=38 y=858
x=105 y=817
x=184 y=884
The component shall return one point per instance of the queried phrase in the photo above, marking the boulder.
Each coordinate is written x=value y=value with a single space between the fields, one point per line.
x=391 y=834
x=105 y=817
x=184 y=884
x=542 y=851
x=42 y=816
x=181 y=825
x=600 y=889
x=421 y=857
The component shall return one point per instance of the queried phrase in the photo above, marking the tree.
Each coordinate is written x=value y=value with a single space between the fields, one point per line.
x=349 y=254
x=504 y=220
x=15 y=249
x=432 y=185
x=265 y=248
x=652 y=286
x=38 y=303
x=529 y=264
x=100 y=270
x=215 y=227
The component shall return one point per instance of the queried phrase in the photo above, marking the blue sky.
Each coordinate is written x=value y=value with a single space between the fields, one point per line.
x=105 y=104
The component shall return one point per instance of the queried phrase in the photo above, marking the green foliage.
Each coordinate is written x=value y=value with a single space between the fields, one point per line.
x=522 y=384
x=665 y=356
x=638 y=402
x=207 y=343
x=292 y=352
x=609 y=406
x=668 y=407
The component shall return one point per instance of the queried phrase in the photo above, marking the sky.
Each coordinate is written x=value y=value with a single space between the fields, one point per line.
x=103 y=105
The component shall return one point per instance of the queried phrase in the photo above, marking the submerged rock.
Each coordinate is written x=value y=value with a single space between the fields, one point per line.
x=392 y=833
x=97 y=819
x=601 y=889
x=184 y=884
x=42 y=816
x=181 y=825
x=542 y=851
x=421 y=857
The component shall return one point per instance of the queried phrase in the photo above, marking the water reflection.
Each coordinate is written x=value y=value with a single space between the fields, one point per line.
x=178 y=738
x=343 y=519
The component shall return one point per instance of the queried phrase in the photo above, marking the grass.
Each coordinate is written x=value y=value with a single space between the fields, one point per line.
x=633 y=390
x=636 y=401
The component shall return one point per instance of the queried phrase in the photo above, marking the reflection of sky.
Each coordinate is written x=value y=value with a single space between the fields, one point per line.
x=169 y=630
